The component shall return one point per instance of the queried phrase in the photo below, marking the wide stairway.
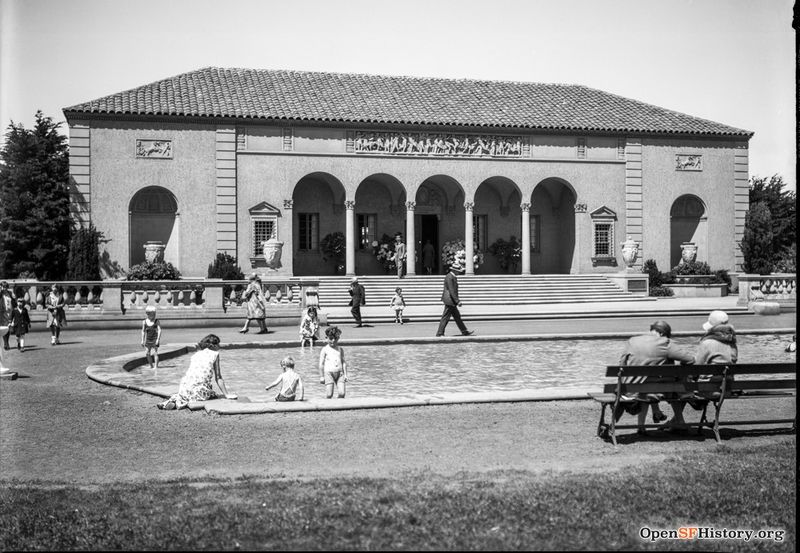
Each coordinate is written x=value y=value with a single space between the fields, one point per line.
x=478 y=289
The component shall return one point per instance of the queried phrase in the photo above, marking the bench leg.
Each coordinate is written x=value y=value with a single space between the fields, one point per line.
x=602 y=424
x=717 y=407
x=703 y=419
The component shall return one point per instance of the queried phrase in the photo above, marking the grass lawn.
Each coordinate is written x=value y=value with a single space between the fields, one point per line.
x=746 y=488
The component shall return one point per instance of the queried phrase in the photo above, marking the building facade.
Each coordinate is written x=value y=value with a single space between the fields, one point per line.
x=221 y=160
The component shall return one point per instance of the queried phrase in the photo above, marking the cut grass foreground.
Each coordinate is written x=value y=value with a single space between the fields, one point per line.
x=747 y=488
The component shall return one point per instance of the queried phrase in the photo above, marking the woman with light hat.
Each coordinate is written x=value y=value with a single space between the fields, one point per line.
x=256 y=305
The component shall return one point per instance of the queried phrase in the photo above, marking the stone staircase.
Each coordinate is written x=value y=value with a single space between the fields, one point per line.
x=495 y=290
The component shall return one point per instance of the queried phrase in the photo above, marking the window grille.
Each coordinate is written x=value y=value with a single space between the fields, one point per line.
x=367 y=230
x=262 y=229
x=536 y=228
x=308 y=231
x=603 y=239
x=479 y=232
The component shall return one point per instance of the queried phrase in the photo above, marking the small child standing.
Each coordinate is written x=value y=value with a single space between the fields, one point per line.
x=332 y=366
x=290 y=381
x=309 y=326
x=20 y=323
x=398 y=303
x=151 y=335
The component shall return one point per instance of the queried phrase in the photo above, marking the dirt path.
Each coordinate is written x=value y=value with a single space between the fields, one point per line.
x=58 y=426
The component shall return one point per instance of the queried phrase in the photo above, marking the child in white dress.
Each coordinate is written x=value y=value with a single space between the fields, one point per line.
x=332 y=366
x=398 y=303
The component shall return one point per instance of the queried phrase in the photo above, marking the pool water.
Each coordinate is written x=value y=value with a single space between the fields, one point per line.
x=406 y=370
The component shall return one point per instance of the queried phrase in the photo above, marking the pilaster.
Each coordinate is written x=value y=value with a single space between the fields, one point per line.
x=741 y=202
x=634 y=216
x=80 y=173
x=226 y=190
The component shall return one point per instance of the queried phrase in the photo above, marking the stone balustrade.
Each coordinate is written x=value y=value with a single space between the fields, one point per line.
x=779 y=288
x=195 y=295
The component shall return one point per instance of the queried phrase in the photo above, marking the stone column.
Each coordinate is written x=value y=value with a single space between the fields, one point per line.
x=469 y=244
x=411 y=246
x=349 y=236
x=526 y=238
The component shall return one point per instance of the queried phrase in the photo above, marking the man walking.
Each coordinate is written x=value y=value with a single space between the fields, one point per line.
x=357 y=299
x=451 y=301
x=399 y=254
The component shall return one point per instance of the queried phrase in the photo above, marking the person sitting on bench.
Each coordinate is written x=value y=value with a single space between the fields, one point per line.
x=653 y=348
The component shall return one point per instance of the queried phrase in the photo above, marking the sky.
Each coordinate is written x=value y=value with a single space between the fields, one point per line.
x=729 y=61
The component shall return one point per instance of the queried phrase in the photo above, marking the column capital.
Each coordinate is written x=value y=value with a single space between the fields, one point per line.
x=525 y=206
x=350 y=204
x=469 y=206
x=411 y=206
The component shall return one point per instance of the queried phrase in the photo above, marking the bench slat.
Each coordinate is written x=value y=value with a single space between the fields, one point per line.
x=674 y=370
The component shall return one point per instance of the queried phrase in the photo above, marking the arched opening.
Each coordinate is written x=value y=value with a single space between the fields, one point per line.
x=438 y=218
x=687 y=223
x=317 y=211
x=380 y=210
x=153 y=217
x=497 y=216
x=552 y=227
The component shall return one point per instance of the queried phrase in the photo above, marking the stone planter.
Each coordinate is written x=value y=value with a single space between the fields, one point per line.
x=630 y=250
x=272 y=253
x=688 y=252
x=698 y=290
x=154 y=251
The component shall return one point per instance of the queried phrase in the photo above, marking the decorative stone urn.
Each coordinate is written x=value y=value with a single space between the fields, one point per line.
x=154 y=251
x=630 y=250
x=273 y=248
x=688 y=252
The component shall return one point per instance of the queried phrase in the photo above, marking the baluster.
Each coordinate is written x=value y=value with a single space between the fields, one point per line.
x=192 y=298
x=289 y=293
x=278 y=293
x=232 y=297
x=89 y=299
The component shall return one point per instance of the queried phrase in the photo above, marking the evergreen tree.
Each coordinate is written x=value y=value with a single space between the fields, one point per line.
x=35 y=222
x=781 y=205
x=757 y=242
x=83 y=262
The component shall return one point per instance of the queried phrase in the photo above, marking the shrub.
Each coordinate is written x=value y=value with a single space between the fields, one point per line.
x=225 y=267
x=455 y=249
x=507 y=253
x=383 y=250
x=787 y=260
x=161 y=270
x=693 y=268
x=661 y=291
x=83 y=260
x=334 y=246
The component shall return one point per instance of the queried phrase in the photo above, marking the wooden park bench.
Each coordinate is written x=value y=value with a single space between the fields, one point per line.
x=709 y=384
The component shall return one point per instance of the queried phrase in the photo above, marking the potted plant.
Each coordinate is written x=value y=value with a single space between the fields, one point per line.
x=508 y=254
x=383 y=250
x=334 y=246
x=455 y=248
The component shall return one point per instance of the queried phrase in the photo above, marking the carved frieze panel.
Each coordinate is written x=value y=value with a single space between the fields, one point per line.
x=688 y=162
x=156 y=149
x=437 y=144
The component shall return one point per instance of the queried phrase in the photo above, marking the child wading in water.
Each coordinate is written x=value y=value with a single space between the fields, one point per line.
x=332 y=366
x=151 y=335
x=290 y=381
x=398 y=303
x=309 y=327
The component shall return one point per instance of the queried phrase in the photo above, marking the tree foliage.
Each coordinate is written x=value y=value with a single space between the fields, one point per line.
x=770 y=234
x=153 y=270
x=225 y=267
x=35 y=222
x=758 y=240
x=83 y=261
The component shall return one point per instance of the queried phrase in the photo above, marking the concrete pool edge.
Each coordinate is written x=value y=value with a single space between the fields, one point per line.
x=107 y=372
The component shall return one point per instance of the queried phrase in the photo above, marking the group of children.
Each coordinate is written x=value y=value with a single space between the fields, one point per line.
x=15 y=318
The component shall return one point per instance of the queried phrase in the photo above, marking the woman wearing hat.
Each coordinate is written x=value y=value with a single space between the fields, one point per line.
x=256 y=305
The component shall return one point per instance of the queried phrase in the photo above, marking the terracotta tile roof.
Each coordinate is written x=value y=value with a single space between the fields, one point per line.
x=375 y=99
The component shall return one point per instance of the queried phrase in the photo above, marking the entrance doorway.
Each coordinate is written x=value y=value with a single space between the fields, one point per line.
x=427 y=230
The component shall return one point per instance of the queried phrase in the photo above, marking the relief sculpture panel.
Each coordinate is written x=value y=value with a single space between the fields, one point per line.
x=437 y=144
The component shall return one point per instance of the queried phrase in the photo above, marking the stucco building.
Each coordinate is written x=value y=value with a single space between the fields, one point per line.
x=219 y=160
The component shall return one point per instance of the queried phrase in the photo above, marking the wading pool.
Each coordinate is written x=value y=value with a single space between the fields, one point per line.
x=409 y=369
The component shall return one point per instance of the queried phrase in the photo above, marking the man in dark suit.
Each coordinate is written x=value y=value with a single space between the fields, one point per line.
x=451 y=301
x=357 y=299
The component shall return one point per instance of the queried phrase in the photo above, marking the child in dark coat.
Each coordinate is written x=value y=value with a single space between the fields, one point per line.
x=20 y=323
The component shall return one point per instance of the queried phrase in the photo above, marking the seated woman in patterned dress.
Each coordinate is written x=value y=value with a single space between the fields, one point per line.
x=196 y=383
